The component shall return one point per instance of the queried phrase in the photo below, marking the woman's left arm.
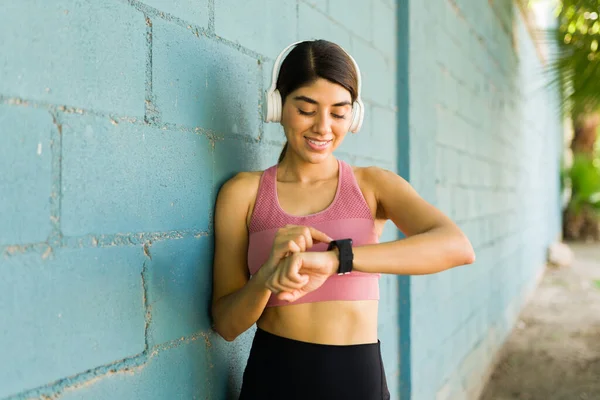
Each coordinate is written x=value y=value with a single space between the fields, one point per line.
x=433 y=242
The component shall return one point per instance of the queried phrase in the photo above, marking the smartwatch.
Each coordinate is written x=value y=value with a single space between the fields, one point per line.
x=346 y=255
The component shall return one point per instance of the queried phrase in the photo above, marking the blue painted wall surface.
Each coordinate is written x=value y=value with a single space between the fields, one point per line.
x=119 y=122
x=485 y=142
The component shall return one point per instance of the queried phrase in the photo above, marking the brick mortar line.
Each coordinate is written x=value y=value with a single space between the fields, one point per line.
x=68 y=109
x=99 y=241
x=492 y=242
x=298 y=19
x=54 y=390
x=444 y=69
x=488 y=160
x=55 y=237
x=377 y=161
x=261 y=99
x=131 y=365
x=496 y=12
x=477 y=155
x=477 y=36
x=151 y=113
x=370 y=44
x=488 y=51
x=115 y=119
x=495 y=189
x=194 y=29
x=374 y=103
x=42 y=249
x=392 y=6
x=211 y=221
x=490 y=216
x=145 y=300
x=211 y=16
x=130 y=239
x=475 y=123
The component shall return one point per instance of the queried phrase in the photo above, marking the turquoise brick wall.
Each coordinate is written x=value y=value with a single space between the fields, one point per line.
x=484 y=143
x=120 y=120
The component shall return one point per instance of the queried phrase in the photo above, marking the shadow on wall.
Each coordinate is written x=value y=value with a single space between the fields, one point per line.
x=233 y=152
x=214 y=89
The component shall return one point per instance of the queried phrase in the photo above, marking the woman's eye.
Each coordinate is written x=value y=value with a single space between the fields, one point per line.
x=302 y=112
x=338 y=116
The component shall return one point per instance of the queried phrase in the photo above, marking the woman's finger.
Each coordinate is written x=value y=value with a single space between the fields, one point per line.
x=289 y=285
x=308 y=239
x=293 y=274
x=290 y=296
x=292 y=247
x=319 y=236
x=302 y=242
x=283 y=248
x=290 y=277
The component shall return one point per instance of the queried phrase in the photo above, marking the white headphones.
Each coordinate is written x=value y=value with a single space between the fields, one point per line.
x=273 y=100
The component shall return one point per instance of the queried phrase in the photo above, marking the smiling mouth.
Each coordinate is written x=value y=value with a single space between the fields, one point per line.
x=318 y=143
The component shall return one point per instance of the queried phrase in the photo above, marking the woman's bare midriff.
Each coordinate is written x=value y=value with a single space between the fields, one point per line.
x=328 y=322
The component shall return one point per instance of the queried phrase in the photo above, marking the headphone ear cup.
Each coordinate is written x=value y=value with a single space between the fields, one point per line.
x=357 y=117
x=275 y=103
x=272 y=106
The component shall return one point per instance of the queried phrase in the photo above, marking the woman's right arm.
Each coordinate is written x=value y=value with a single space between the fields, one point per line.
x=238 y=301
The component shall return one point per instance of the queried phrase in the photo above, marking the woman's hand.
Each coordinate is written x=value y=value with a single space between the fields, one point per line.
x=294 y=239
x=301 y=273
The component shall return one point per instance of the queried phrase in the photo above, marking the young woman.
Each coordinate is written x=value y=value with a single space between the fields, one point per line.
x=296 y=245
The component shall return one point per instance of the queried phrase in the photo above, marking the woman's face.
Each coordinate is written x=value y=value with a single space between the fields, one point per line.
x=315 y=119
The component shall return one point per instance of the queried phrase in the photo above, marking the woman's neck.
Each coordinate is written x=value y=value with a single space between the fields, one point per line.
x=292 y=169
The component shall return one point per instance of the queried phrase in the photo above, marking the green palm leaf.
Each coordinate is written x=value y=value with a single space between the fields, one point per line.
x=575 y=64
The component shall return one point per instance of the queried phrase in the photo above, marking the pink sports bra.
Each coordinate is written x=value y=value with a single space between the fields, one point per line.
x=348 y=216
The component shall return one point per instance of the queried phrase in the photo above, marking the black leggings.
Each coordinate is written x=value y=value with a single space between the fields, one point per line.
x=281 y=368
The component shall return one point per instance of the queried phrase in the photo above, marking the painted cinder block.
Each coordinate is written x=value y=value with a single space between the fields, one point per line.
x=321 y=5
x=376 y=74
x=76 y=310
x=62 y=52
x=203 y=83
x=384 y=28
x=25 y=182
x=133 y=178
x=194 y=11
x=233 y=156
x=263 y=26
x=179 y=287
x=383 y=134
x=181 y=371
x=313 y=24
x=356 y=17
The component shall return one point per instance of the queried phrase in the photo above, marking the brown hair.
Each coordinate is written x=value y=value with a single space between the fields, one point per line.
x=311 y=60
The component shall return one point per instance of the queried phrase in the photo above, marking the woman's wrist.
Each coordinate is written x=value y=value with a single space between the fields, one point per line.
x=262 y=276
x=334 y=256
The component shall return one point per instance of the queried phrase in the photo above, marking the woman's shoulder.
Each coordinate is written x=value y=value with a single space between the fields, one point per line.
x=242 y=184
x=375 y=178
x=371 y=173
x=239 y=193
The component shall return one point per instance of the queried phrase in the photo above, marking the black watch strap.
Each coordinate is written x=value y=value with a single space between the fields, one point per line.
x=344 y=247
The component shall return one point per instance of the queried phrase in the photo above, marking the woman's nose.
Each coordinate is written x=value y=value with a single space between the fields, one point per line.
x=322 y=124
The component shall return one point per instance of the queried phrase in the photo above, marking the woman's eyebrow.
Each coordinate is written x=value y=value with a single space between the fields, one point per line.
x=312 y=101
